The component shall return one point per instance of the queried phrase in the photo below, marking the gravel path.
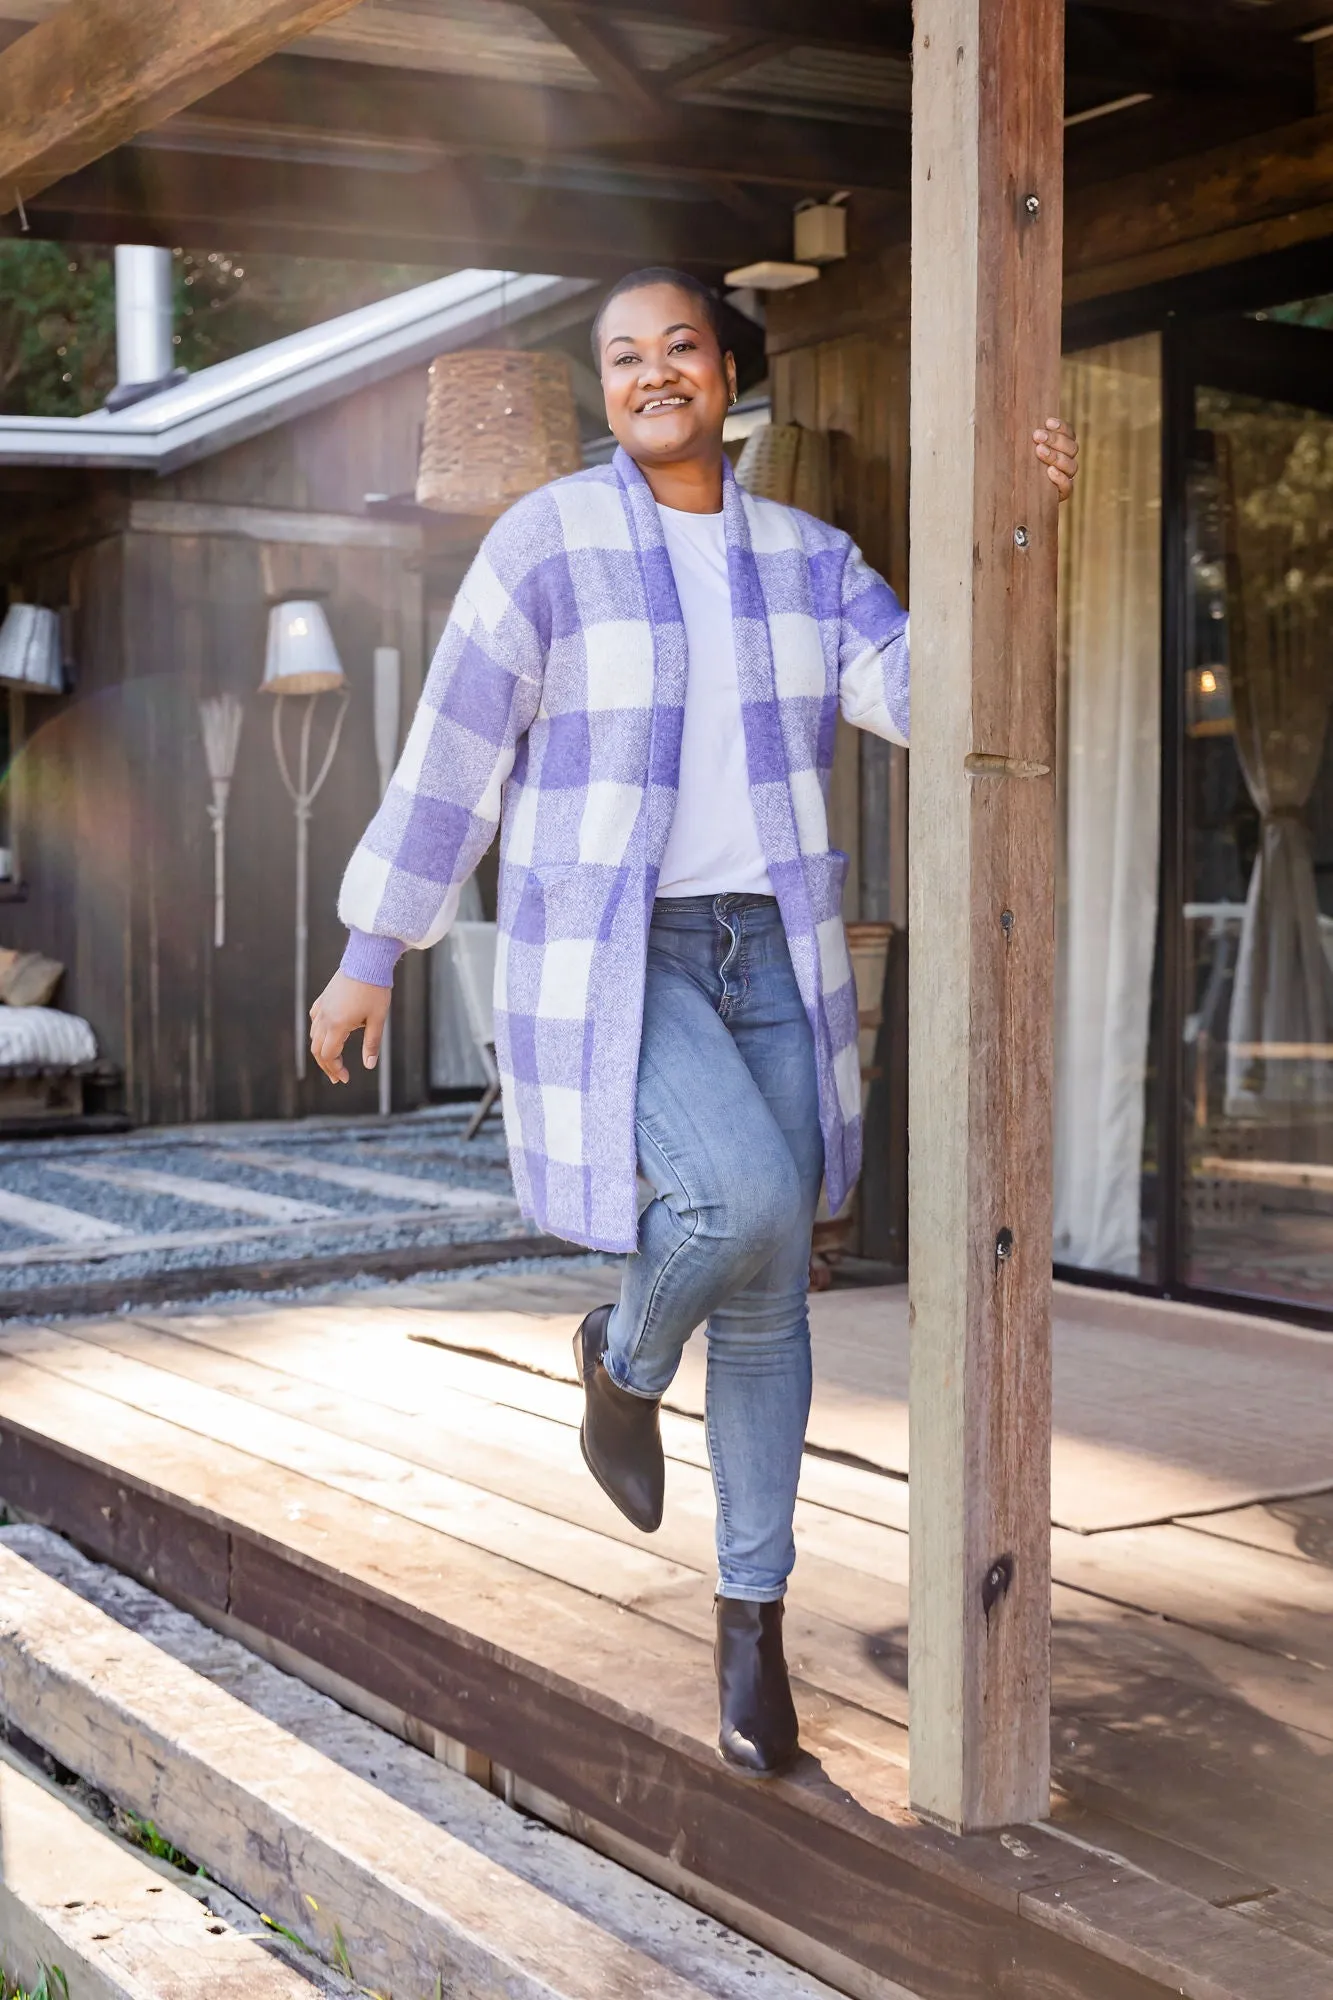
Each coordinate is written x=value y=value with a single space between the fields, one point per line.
x=465 y=1196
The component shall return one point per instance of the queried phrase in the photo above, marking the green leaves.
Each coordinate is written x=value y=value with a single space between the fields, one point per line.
x=58 y=314
x=52 y=1985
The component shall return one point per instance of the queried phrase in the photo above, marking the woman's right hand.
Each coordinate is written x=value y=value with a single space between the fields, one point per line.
x=344 y=1006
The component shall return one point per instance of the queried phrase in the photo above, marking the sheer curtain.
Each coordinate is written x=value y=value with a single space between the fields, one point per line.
x=1108 y=785
x=1273 y=467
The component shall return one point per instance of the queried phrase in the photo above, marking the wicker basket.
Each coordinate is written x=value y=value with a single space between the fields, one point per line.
x=499 y=423
x=789 y=463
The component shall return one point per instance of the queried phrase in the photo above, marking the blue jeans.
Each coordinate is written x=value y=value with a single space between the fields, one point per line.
x=729 y=1140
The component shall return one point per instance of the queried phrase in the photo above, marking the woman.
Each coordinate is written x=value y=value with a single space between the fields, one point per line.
x=639 y=682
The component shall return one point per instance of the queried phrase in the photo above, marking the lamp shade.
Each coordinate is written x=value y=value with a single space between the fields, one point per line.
x=301 y=656
x=500 y=422
x=30 y=650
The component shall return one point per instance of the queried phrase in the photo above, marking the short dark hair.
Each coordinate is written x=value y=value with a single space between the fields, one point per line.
x=661 y=274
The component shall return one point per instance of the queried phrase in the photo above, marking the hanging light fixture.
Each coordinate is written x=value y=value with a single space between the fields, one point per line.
x=499 y=423
x=789 y=463
x=30 y=650
x=301 y=659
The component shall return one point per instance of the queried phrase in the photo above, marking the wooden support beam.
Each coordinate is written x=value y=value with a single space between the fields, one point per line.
x=720 y=63
x=97 y=71
x=598 y=50
x=1256 y=195
x=986 y=245
x=440 y=216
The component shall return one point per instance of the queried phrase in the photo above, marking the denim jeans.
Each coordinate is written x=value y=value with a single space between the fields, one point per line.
x=728 y=1139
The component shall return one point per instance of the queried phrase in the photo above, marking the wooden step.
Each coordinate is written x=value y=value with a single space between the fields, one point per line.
x=76 y=1899
x=374 y=1852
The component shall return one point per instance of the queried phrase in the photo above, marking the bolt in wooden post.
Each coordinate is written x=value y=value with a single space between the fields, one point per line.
x=986 y=255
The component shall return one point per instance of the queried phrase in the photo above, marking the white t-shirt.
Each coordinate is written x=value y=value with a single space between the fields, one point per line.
x=713 y=847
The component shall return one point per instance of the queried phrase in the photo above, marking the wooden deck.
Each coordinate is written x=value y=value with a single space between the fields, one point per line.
x=389 y=1495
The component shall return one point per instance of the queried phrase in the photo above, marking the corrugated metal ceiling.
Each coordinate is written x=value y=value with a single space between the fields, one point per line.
x=822 y=82
x=504 y=42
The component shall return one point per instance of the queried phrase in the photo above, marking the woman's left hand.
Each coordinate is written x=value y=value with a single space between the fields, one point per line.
x=1057 y=448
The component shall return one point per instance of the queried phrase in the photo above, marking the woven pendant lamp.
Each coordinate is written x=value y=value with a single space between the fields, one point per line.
x=789 y=463
x=499 y=423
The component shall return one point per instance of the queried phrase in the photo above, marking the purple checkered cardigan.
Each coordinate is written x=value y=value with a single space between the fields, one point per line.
x=554 y=707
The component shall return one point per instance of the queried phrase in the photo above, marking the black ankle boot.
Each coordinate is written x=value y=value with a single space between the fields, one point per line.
x=758 y=1736
x=620 y=1434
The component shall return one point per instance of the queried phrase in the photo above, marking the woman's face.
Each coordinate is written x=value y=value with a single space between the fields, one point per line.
x=666 y=381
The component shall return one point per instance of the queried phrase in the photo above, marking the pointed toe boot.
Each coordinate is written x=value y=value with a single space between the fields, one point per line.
x=620 y=1435
x=758 y=1735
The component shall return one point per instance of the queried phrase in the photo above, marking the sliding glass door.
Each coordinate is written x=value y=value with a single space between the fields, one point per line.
x=1248 y=925
x=1194 y=1008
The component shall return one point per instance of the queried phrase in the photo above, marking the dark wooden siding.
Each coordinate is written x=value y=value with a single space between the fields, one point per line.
x=117 y=852
x=327 y=461
x=73 y=802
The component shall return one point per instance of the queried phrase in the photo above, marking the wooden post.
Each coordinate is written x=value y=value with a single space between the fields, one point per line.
x=986 y=253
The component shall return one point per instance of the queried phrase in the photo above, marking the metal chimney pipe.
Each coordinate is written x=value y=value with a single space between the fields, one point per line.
x=143 y=323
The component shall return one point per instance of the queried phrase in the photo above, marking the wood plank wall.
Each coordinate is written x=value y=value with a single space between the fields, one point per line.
x=118 y=853
x=73 y=798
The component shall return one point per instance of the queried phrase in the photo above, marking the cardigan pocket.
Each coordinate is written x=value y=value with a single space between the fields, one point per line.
x=571 y=900
x=826 y=875
x=825 y=879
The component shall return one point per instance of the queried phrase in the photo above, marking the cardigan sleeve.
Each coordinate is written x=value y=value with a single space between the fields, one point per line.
x=442 y=808
x=874 y=681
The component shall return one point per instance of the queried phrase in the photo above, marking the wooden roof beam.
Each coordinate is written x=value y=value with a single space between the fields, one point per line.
x=719 y=64
x=443 y=216
x=476 y=116
x=600 y=53
x=1267 y=192
x=97 y=71
x=649 y=93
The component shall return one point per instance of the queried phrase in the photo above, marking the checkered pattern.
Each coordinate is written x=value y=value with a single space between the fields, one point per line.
x=554 y=707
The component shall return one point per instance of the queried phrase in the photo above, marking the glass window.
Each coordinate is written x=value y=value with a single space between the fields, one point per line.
x=1109 y=781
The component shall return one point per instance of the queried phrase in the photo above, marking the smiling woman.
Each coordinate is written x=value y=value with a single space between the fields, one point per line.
x=639 y=684
x=667 y=382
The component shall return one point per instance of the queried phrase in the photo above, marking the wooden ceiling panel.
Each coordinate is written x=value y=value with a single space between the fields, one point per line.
x=486 y=38
x=481 y=118
x=808 y=81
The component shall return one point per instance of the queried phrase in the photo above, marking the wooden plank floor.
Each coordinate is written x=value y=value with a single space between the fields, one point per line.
x=392 y=1492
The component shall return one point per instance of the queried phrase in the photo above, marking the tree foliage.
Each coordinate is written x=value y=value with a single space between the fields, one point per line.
x=58 y=313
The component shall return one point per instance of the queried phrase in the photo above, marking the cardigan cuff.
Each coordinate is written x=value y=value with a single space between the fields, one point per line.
x=371 y=958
